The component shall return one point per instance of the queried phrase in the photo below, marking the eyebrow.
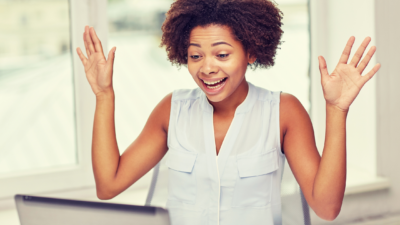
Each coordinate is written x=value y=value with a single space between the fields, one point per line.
x=214 y=44
x=220 y=43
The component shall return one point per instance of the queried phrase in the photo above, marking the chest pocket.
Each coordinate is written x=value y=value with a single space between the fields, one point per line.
x=182 y=180
x=254 y=182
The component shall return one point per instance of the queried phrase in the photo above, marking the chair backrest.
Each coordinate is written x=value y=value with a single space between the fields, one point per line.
x=306 y=209
x=153 y=184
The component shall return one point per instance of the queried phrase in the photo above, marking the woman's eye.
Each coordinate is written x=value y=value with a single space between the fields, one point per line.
x=223 y=55
x=194 y=56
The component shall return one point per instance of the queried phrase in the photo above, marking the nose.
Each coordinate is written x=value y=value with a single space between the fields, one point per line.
x=209 y=67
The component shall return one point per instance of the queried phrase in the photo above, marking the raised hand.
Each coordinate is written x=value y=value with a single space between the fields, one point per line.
x=98 y=70
x=342 y=86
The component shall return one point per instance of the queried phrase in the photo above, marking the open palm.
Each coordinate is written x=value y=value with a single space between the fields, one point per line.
x=342 y=86
x=98 y=70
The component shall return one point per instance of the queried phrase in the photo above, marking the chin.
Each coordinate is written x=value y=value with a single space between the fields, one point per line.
x=216 y=98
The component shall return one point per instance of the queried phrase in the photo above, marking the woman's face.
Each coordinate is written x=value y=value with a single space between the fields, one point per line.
x=216 y=61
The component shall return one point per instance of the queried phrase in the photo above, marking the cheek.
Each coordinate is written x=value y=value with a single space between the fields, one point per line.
x=234 y=70
x=192 y=70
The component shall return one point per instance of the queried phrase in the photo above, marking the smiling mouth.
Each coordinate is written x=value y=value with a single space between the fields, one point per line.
x=214 y=84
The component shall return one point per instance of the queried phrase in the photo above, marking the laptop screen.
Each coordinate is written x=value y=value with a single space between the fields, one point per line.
x=35 y=210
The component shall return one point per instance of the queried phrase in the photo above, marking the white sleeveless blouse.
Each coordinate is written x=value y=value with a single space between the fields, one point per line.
x=239 y=186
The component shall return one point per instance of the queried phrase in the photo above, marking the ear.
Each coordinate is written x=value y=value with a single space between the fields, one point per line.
x=251 y=58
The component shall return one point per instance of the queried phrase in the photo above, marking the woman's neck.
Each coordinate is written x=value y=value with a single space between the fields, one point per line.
x=228 y=105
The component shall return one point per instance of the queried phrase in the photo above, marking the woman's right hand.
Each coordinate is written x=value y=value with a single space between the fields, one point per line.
x=98 y=70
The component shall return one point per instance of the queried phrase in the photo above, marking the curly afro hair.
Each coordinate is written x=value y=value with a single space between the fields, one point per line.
x=255 y=23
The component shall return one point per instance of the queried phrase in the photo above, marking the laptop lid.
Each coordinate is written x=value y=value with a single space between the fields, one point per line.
x=35 y=210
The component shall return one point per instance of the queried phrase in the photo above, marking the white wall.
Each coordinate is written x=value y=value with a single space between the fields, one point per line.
x=388 y=101
x=344 y=19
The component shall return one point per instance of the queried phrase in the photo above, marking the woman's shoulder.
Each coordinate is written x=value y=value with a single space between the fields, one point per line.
x=161 y=112
x=186 y=94
x=163 y=109
x=164 y=106
x=289 y=106
x=290 y=102
x=291 y=110
x=286 y=100
x=264 y=94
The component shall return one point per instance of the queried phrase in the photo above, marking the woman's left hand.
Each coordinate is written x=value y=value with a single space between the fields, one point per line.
x=342 y=86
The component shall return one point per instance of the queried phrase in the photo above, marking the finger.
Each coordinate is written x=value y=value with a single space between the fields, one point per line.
x=81 y=56
x=371 y=73
x=96 y=40
x=86 y=46
x=323 y=69
x=89 y=41
x=347 y=50
x=360 y=51
x=364 y=63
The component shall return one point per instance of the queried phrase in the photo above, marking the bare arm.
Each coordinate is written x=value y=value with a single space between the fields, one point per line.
x=114 y=173
x=323 y=179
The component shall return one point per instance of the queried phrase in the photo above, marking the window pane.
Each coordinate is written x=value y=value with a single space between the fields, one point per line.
x=290 y=73
x=36 y=86
x=142 y=73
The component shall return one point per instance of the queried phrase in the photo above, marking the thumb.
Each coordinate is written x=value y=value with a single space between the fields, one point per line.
x=323 y=69
x=111 y=56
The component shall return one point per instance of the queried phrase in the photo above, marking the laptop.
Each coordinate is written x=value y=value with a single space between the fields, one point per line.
x=35 y=210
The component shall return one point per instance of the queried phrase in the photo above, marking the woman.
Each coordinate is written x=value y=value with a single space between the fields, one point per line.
x=227 y=140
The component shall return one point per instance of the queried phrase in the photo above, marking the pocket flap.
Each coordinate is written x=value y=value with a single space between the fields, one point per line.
x=258 y=164
x=181 y=160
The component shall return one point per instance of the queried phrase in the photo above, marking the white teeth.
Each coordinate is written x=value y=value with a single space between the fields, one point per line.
x=210 y=83
x=214 y=86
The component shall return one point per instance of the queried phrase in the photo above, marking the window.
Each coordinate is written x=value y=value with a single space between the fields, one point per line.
x=38 y=143
x=142 y=74
x=290 y=73
x=36 y=89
